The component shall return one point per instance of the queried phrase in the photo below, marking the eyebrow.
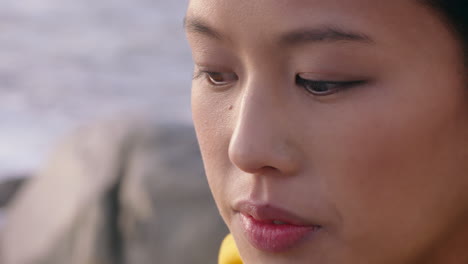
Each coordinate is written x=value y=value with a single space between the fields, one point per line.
x=324 y=33
x=197 y=25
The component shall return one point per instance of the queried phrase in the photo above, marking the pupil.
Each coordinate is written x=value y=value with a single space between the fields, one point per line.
x=321 y=87
x=217 y=77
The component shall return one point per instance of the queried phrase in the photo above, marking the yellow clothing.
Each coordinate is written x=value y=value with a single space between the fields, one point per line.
x=228 y=254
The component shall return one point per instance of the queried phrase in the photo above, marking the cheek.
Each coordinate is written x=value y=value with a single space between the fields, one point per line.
x=210 y=112
x=396 y=170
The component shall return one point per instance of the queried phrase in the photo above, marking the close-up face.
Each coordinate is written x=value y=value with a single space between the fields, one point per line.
x=333 y=131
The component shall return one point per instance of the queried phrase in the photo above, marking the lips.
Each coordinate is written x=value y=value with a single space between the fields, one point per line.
x=272 y=229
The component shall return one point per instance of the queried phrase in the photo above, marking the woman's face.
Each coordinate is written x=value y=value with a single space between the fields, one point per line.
x=333 y=131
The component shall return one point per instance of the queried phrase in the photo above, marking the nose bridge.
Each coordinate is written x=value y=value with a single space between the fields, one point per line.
x=258 y=140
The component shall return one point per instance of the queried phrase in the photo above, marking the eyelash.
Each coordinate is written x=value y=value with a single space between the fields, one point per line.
x=199 y=74
x=337 y=86
x=308 y=85
x=210 y=77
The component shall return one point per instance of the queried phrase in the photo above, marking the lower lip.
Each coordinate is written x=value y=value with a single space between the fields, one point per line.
x=274 y=238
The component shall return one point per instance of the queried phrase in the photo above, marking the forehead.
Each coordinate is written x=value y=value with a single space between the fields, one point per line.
x=267 y=12
x=247 y=19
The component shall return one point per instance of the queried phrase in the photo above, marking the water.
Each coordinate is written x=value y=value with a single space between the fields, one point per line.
x=67 y=62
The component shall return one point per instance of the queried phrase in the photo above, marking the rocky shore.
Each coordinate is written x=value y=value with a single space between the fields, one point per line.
x=117 y=192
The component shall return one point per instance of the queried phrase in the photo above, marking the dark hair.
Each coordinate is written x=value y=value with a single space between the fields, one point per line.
x=455 y=12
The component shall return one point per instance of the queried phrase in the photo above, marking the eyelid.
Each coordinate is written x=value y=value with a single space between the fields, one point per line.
x=337 y=86
x=209 y=75
x=328 y=77
x=331 y=78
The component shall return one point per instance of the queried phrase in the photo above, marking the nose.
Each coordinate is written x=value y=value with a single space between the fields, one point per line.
x=262 y=138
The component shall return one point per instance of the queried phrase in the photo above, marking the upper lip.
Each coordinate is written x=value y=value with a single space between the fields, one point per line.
x=266 y=212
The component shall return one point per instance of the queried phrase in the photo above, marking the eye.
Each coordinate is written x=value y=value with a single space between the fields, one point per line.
x=220 y=78
x=322 y=87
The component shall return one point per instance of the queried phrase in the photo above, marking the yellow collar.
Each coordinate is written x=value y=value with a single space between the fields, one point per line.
x=228 y=254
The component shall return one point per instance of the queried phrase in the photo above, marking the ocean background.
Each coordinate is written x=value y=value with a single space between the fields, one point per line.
x=64 y=63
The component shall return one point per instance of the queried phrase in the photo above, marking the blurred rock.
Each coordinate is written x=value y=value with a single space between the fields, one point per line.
x=8 y=188
x=118 y=192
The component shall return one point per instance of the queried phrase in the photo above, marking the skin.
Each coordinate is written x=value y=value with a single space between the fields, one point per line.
x=381 y=165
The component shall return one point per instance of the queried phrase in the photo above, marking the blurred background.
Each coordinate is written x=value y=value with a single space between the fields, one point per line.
x=65 y=64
